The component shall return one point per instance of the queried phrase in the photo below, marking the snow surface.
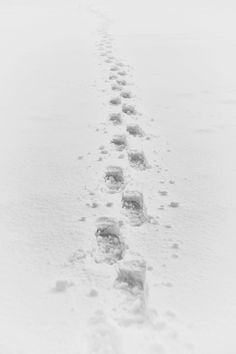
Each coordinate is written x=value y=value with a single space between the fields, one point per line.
x=117 y=184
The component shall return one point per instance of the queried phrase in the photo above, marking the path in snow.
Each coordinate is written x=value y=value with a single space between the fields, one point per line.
x=128 y=313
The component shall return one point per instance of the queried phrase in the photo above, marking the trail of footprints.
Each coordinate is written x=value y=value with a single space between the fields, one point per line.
x=111 y=246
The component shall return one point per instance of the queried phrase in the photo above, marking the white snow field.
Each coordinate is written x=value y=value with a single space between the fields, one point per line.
x=117 y=183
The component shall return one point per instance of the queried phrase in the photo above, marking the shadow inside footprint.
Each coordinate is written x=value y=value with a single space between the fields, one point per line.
x=126 y=94
x=131 y=284
x=122 y=73
x=116 y=87
x=112 y=77
x=115 y=101
x=119 y=142
x=120 y=64
x=135 y=130
x=115 y=118
x=131 y=275
x=133 y=207
x=137 y=159
x=110 y=247
x=121 y=82
x=128 y=109
x=114 y=68
x=114 y=179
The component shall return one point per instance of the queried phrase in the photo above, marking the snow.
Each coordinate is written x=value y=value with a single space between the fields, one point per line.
x=117 y=140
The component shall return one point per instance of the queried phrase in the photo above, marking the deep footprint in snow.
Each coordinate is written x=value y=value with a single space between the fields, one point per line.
x=128 y=109
x=114 y=68
x=133 y=207
x=163 y=193
x=131 y=275
x=137 y=159
x=119 y=141
x=122 y=73
x=126 y=94
x=110 y=246
x=131 y=284
x=114 y=179
x=116 y=87
x=121 y=82
x=115 y=118
x=112 y=77
x=174 y=205
x=115 y=101
x=135 y=130
x=120 y=64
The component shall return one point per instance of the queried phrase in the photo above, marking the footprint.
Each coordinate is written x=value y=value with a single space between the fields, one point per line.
x=135 y=130
x=128 y=109
x=115 y=118
x=174 y=205
x=133 y=207
x=110 y=246
x=126 y=94
x=116 y=87
x=115 y=101
x=131 y=275
x=137 y=159
x=121 y=82
x=114 y=179
x=122 y=73
x=163 y=193
x=131 y=284
x=112 y=77
x=120 y=64
x=114 y=68
x=93 y=205
x=119 y=141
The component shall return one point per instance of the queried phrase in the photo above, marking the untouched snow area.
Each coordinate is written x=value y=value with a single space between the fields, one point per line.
x=118 y=197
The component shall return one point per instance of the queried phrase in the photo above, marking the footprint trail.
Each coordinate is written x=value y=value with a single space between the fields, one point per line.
x=127 y=270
